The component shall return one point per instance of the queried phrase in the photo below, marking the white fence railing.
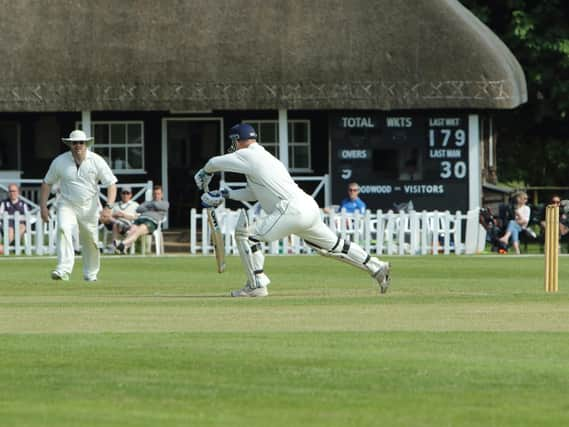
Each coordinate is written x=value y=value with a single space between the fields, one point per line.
x=380 y=233
x=39 y=236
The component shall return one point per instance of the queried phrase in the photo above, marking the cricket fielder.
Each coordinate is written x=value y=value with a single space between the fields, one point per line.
x=78 y=173
x=289 y=210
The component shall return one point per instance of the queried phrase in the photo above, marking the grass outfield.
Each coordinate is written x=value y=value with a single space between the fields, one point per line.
x=458 y=341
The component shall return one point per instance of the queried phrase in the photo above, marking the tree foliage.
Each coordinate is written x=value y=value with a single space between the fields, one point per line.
x=534 y=139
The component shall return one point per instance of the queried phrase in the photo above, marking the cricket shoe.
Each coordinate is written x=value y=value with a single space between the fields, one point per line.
x=57 y=275
x=90 y=279
x=248 y=291
x=381 y=273
x=119 y=247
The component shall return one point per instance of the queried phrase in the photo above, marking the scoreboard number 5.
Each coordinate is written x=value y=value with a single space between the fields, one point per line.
x=450 y=170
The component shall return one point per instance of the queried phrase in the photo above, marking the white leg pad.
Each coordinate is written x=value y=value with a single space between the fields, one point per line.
x=251 y=253
x=350 y=253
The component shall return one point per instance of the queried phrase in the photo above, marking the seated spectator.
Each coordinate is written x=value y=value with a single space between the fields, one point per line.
x=11 y=205
x=519 y=222
x=563 y=217
x=152 y=213
x=353 y=203
x=122 y=215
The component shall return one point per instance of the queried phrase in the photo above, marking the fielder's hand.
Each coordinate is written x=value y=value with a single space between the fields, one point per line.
x=202 y=178
x=212 y=199
x=106 y=216
x=44 y=213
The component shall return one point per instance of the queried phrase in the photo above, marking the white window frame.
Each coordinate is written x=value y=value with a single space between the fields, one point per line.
x=122 y=171
x=291 y=143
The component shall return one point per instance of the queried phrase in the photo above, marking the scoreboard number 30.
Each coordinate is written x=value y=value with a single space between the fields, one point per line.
x=450 y=170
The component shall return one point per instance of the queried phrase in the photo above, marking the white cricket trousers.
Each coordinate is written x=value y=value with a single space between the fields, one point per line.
x=86 y=218
x=300 y=216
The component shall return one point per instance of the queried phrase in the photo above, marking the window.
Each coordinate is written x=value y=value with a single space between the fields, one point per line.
x=121 y=144
x=298 y=141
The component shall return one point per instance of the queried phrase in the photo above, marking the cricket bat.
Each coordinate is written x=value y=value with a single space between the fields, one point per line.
x=216 y=237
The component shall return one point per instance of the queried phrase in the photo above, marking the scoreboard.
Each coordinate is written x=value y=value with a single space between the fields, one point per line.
x=399 y=158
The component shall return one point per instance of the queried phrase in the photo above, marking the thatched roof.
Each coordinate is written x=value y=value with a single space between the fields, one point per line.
x=251 y=54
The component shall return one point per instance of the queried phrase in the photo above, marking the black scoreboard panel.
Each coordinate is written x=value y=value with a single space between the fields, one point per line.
x=400 y=158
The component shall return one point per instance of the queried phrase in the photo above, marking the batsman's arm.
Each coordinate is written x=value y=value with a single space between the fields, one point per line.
x=242 y=194
x=232 y=162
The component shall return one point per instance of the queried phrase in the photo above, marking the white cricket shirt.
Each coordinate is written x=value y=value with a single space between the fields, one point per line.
x=268 y=181
x=128 y=208
x=79 y=184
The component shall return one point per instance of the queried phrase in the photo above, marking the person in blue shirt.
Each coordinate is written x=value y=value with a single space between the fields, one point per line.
x=353 y=203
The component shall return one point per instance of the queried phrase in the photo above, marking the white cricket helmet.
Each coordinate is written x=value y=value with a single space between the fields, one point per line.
x=78 y=136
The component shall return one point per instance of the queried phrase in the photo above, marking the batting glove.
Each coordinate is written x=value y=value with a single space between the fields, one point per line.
x=202 y=178
x=212 y=199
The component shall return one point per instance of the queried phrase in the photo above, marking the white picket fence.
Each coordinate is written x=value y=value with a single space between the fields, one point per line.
x=39 y=237
x=380 y=233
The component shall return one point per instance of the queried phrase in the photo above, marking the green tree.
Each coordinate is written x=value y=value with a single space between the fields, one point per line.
x=534 y=139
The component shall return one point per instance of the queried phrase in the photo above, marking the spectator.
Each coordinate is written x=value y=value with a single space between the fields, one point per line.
x=11 y=205
x=519 y=223
x=353 y=203
x=78 y=173
x=152 y=213
x=563 y=218
x=123 y=214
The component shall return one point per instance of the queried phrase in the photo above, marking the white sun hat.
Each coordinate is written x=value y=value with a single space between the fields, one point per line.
x=78 y=135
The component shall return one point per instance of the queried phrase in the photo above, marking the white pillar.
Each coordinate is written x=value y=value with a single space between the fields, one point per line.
x=164 y=168
x=283 y=136
x=474 y=174
x=327 y=190
x=491 y=150
x=86 y=122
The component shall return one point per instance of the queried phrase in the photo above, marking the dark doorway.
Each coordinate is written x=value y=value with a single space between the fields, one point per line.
x=191 y=142
x=10 y=146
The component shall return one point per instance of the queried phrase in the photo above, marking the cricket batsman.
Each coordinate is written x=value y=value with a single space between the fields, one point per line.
x=289 y=210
